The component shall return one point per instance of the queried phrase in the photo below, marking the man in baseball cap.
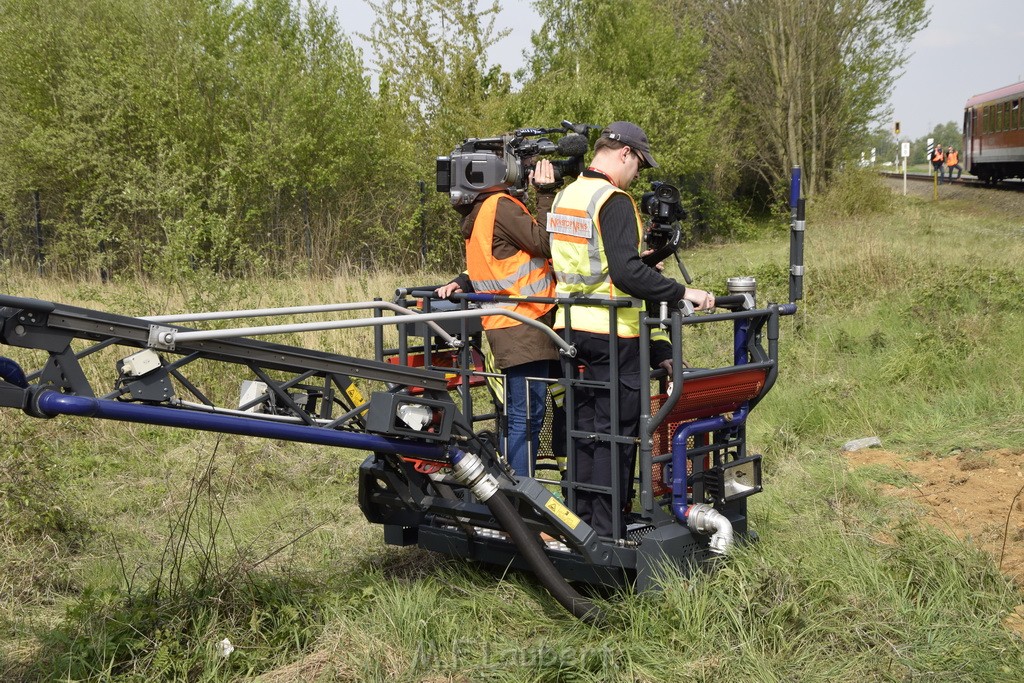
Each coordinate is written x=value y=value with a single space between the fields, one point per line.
x=596 y=237
x=632 y=136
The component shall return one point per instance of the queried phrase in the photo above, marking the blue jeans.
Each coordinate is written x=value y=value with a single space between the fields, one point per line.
x=520 y=439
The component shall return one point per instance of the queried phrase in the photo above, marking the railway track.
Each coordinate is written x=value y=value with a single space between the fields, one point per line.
x=1010 y=185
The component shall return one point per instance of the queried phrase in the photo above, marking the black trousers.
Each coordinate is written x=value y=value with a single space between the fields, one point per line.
x=594 y=458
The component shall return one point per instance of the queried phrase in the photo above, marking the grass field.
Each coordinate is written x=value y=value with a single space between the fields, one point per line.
x=130 y=552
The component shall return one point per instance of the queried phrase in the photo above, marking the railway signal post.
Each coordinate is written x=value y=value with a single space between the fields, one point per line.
x=904 y=152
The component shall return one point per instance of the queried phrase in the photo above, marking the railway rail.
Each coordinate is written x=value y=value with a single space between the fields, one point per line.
x=1011 y=185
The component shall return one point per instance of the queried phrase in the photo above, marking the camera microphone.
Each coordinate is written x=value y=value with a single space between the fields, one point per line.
x=573 y=145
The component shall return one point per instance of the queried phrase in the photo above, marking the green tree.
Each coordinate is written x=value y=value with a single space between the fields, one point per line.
x=597 y=61
x=435 y=89
x=432 y=64
x=184 y=134
x=810 y=76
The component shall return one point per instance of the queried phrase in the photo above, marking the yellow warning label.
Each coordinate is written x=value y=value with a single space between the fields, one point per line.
x=354 y=394
x=563 y=513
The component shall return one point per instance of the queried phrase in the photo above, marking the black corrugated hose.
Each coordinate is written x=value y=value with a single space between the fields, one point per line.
x=530 y=547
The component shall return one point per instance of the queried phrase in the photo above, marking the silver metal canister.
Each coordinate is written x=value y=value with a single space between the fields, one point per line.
x=741 y=285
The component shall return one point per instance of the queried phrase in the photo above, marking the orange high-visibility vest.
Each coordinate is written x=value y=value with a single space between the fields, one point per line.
x=937 y=154
x=952 y=158
x=517 y=275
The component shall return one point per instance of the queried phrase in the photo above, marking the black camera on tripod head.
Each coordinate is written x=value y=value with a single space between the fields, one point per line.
x=663 y=205
x=481 y=165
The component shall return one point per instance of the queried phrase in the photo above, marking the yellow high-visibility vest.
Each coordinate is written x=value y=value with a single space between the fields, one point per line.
x=579 y=260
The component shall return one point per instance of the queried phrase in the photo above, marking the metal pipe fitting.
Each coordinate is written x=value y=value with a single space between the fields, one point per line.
x=469 y=471
x=705 y=519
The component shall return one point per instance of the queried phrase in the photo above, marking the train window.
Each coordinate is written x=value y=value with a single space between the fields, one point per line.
x=988 y=120
x=1015 y=124
x=999 y=118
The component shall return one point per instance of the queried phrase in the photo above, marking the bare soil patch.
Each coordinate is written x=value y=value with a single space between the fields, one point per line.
x=977 y=496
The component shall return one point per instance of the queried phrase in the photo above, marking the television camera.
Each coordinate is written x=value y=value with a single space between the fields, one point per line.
x=663 y=206
x=480 y=165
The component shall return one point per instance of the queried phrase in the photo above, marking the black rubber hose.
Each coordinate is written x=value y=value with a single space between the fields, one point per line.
x=529 y=545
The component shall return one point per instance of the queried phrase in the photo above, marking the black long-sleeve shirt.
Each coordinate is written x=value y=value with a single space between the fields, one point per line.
x=622 y=249
x=627 y=271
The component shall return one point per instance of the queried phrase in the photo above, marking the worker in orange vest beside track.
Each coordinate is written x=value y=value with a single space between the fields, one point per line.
x=953 y=161
x=937 y=159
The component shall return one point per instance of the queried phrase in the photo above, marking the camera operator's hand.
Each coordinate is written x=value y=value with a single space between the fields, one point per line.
x=701 y=300
x=542 y=176
x=447 y=290
x=659 y=266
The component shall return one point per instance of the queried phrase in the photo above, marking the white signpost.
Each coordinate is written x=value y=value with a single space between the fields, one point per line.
x=905 y=152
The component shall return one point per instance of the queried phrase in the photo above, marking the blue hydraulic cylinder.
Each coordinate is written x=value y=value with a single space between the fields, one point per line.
x=12 y=373
x=740 y=335
x=53 y=403
x=796 y=238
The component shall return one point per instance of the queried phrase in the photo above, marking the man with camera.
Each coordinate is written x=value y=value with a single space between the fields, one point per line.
x=596 y=236
x=507 y=253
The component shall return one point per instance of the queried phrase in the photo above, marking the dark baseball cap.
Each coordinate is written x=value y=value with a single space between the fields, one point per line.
x=633 y=137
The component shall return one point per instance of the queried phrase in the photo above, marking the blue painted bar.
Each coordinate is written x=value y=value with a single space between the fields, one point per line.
x=794 y=188
x=53 y=403
x=12 y=373
x=680 y=505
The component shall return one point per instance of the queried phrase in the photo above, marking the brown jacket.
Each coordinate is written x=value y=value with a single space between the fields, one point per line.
x=516 y=231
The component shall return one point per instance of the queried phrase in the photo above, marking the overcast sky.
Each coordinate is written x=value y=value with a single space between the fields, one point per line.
x=355 y=16
x=970 y=47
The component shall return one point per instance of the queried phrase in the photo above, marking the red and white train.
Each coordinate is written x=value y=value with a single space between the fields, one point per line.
x=994 y=134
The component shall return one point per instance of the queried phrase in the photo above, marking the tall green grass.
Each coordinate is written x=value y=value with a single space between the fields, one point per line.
x=128 y=552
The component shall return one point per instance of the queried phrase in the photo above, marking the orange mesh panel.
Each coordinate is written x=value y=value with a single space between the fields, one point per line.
x=713 y=396
x=445 y=359
x=701 y=398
